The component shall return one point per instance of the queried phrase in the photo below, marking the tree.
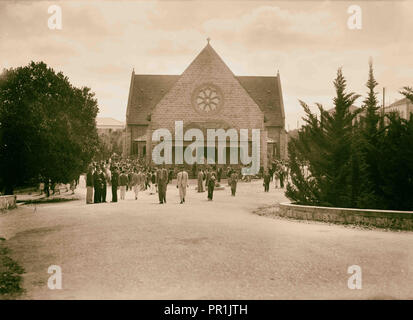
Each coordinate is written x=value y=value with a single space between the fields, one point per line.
x=367 y=144
x=47 y=127
x=323 y=149
x=340 y=161
x=109 y=143
x=396 y=165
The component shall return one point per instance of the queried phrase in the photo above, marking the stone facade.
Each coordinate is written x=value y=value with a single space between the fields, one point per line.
x=236 y=102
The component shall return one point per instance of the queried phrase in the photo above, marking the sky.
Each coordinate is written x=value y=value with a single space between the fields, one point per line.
x=306 y=41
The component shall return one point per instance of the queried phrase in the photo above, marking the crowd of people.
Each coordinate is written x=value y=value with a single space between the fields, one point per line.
x=122 y=175
x=135 y=175
x=277 y=172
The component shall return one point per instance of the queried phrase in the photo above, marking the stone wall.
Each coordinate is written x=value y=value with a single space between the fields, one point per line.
x=7 y=202
x=402 y=220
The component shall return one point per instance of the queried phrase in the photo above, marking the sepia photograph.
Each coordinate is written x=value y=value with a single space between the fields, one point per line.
x=226 y=151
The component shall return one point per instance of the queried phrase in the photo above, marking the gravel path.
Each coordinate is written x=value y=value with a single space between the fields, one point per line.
x=200 y=250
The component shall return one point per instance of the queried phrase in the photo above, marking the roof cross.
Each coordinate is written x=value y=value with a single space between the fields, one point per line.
x=208 y=39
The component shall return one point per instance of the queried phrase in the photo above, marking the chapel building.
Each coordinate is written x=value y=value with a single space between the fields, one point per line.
x=207 y=95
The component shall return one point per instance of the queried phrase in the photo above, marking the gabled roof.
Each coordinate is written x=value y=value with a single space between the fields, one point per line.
x=265 y=92
x=146 y=91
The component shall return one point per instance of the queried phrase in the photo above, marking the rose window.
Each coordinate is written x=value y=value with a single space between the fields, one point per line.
x=208 y=99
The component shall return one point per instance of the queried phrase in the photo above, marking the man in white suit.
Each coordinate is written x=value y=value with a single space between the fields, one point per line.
x=182 y=184
x=138 y=181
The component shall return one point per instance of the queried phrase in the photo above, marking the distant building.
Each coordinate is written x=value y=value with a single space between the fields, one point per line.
x=403 y=106
x=111 y=134
x=352 y=109
x=206 y=95
x=108 y=125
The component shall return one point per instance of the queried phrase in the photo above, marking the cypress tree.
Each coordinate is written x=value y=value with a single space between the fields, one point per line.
x=323 y=149
x=368 y=147
x=396 y=163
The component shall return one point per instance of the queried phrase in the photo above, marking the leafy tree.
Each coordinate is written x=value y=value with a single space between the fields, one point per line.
x=47 y=127
x=109 y=143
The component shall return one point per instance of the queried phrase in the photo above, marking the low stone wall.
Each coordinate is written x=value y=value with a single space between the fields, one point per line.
x=402 y=220
x=7 y=202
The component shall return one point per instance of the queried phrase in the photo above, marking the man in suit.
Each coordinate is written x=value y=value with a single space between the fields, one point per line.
x=229 y=171
x=162 y=182
x=123 y=182
x=129 y=175
x=97 y=184
x=142 y=176
x=103 y=178
x=219 y=173
x=170 y=175
x=211 y=184
x=138 y=182
x=207 y=174
x=141 y=180
x=267 y=179
x=115 y=183
x=282 y=172
x=200 y=181
x=182 y=184
x=147 y=174
x=233 y=183
x=135 y=182
x=153 y=182
x=89 y=186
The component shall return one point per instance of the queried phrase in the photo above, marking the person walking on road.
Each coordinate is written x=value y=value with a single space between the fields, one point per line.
x=153 y=183
x=234 y=181
x=182 y=184
x=200 y=181
x=276 y=179
x=211 y=185
x=89 y=186
x=162 y=179
x=123 y=182
x=267 y=179
x=219 y=174
x=103 y=179
x=115 y=183
x=97 y=185
x=135 y=182
x=207 y=174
